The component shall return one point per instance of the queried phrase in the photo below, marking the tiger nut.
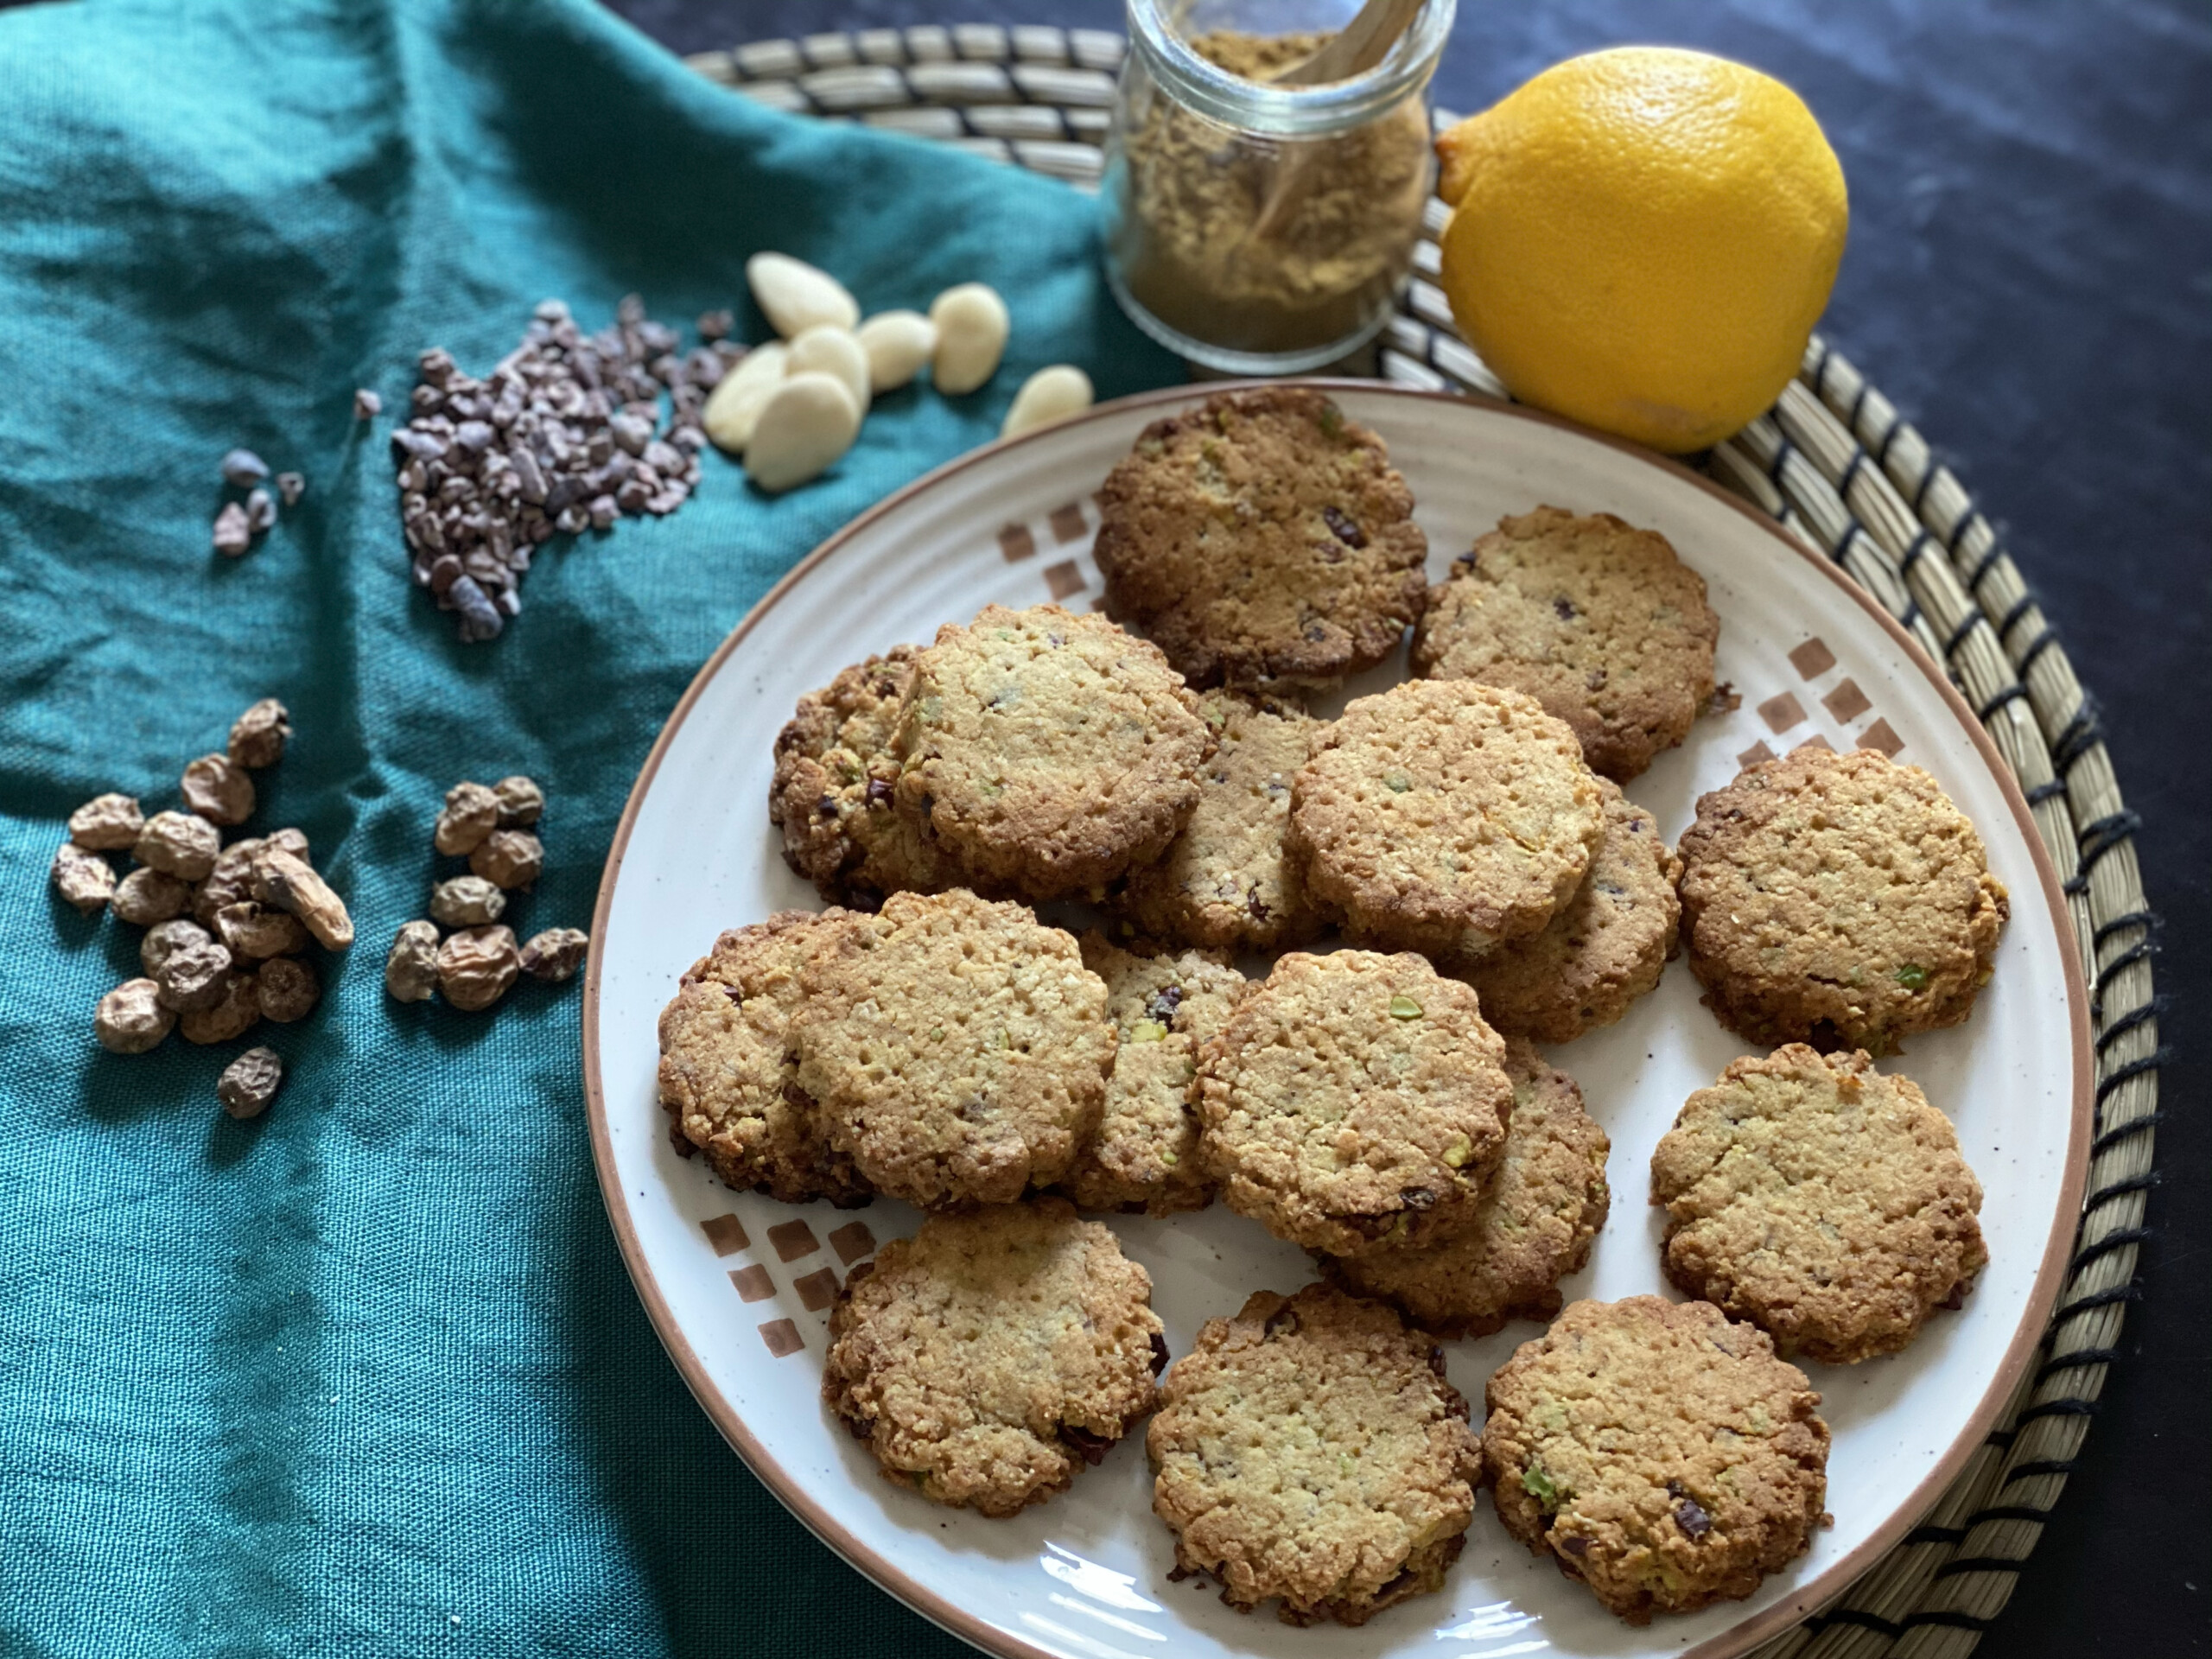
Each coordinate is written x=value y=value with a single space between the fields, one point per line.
x=219 y=790
x=522 y=802
x=130 y=1019
x=472 y=812
x=163 y=938
x=233 y=1013
x=286 y=880
x=509 y=858
x=193 y=975
x=250 y=1082
x=147 y=896
x=258 y=736
x=555 y=955
x=410 y=970
x=255 y=930
x=293 y=841
x=85 y=879
x=107 y=823
x=231 y=882
x=178 y=844
x=466 y=901
x=476 y=966
x=287 y=989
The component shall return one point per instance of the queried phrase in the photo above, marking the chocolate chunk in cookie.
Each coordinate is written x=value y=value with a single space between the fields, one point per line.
x=1311 y=1449
x=991 y=1358
x=1596 y=620
x=1837 y=900
x=1354 y=1101
x=1261 y=538
x=1660 y=1455
x=1822 y=1201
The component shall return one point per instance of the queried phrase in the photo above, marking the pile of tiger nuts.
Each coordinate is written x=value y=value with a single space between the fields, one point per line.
x=227 y=927
x=474 y=962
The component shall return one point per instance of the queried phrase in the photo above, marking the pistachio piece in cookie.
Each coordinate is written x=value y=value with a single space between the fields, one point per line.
x=1607 y=946
x=991 y=1358
x=1540 y=1211
x=1838 y=899
x=1822 y=1201
x=1445 y=816
x=1597 y=620
x=1354 y=1101
x=958 y=1049
x=1048 y=751
x=1310 y=1449
x=726 y=1078
x=1228 y=882
x=1262 y=539
x=834 y=789
x=1658 y=1453
x=1166 y=1005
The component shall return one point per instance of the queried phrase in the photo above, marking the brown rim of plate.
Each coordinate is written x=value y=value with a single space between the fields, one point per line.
x=1786 y=1612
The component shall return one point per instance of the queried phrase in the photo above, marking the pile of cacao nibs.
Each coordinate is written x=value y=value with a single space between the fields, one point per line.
x=475 y=960
x=228 y=928
x=564 y=434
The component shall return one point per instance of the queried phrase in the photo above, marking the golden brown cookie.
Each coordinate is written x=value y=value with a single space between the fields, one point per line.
x=1606 y=947
x=835 y=789
x=726 y=1065
x=991 y=1357
x=1165 y=1005
x=1355 y=1100
x=1822 y=1201
x=1048 y=751
x=1542 y=1209
x=957 y=1047
x=1597 y=620
x=1837 y=900
x=1445 y=816
x=1660 y=1453
x=1259 y=538
x=1310 y=1449
x=1227 y=881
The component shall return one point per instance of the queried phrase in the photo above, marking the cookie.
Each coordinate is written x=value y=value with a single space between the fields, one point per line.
x=834 y=791
x=1311 y=1449
x=958 y=1049
x=1355 y=1100
x=1165 y=1006
x=726 y=1071
x=1445 y=816
x=1261 y=538
x=1837 y=900
x=1540 y=1211
x=1596 y=620
x=991 y=1357
x=1048 y=751
x=1227 y=882
x=1822 y=1201
x=1606 y=947
x=1660 y=1453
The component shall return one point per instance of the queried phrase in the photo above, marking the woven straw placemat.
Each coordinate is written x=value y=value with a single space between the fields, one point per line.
x=1841 y=469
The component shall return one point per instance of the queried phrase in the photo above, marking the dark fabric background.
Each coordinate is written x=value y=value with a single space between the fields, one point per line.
x=2030 y=278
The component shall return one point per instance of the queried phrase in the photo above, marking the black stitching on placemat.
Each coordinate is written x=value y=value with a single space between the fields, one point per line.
x=1920 y=491
x=2094 y=1299
x=1852 y=1617
x=2020 y=607
x=2122 y=1024
x=1935 y=1535
x=2075 y=1361
x=1858 y=460
x=1820 y=369
x=2080 y=735
x=1912 y=614
x=2000 y=1438
x=2120 y=1134
x=2133 y=1069
x=2142 y=950
x=1980 y=1564
x=1780 y=454
x=1858 y=404
x=1986 y=563
x=2008 y=1512
x=2043 y=792
x=1967 y=625
x=2143 y=918
x=1958 y=531
x=2010 y=694
x=2042 y=643
x=1947 y=1620
x=2058 y=1408
x=2105 y=1194
x=2041 y=1467
x=1882 y=454
x=1915 y=549
x=2119 y=1239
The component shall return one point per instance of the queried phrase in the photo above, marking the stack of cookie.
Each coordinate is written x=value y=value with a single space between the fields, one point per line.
x=1466 y=835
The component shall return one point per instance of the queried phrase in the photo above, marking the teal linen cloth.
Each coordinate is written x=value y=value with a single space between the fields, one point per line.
x=367 y=1375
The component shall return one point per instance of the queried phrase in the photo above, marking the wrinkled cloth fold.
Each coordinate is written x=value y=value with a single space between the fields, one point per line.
x=366 y=1375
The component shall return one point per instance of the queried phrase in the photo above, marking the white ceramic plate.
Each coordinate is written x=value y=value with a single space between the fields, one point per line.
x=738 y=1286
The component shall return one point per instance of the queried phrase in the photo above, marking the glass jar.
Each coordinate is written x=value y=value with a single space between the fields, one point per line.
x=1255 y=228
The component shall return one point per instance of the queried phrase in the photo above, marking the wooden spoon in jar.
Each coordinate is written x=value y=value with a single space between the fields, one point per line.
x=1353 y=50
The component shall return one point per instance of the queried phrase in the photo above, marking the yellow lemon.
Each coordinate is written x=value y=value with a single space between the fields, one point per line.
x=1642 y=239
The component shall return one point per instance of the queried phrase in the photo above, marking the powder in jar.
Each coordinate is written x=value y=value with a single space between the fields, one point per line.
x=1258 y=244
